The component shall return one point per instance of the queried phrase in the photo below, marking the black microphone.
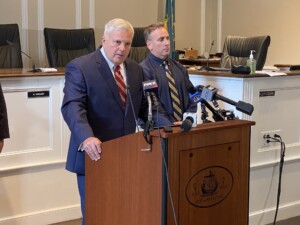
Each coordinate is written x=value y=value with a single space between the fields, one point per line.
x=189 y=121
x=154 y=98
x=151 y=87
x=209 y=93
x=195 y=96
x=207 y=63
x=150 y=91
x=149 y=123
x=32 y=61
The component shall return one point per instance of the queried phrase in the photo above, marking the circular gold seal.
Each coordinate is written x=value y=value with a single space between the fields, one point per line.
x=209 y=186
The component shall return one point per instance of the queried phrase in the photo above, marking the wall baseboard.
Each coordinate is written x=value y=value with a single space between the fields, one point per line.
x=285 y=211
x=44 y=217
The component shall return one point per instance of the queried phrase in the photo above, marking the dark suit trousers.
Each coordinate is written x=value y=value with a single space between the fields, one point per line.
x=81 y=188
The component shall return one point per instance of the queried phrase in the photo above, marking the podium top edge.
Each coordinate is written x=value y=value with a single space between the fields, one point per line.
x=205 y=127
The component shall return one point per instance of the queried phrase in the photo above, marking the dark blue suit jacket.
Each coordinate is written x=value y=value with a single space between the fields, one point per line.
x=92 y=105
x=153 y=70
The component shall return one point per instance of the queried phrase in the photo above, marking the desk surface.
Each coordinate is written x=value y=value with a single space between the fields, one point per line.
x=200 y=62
x=23 y=72
x=229 y=74
x=19 y=72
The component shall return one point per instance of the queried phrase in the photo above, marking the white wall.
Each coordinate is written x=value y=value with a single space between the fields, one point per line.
x=198 y=22
x=35 y=188
x=276 y=18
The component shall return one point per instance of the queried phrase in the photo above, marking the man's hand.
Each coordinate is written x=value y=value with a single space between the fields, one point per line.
x=178 y=123
x=92 y=146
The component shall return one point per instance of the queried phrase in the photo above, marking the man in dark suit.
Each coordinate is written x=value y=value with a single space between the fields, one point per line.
x=4 y=131
x=172 y=78
x=95 y=106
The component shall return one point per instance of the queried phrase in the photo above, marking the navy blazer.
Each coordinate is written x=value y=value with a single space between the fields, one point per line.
x=153 y=70
x=92 y=105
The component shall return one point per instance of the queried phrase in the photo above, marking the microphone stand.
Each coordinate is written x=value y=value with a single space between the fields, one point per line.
x=207 y=63
x=32 y=61
x=132 y=108
x=241 y=106
x=149 y=123
x=216 y=115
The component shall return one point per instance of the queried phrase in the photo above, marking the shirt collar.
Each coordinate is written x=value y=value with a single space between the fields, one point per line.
x=110 y=63
x=158 y=60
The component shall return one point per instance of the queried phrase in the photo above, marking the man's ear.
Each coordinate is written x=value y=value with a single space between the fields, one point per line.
x=102 y=40
x=149 y=45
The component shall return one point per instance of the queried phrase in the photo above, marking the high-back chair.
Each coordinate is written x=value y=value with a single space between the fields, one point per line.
x=63 y=45
x=10 y=46
x=237 y=49
x=139 y=48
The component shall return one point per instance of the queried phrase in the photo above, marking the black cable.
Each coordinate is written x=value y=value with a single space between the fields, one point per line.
x=167 y=179
x=277 y=138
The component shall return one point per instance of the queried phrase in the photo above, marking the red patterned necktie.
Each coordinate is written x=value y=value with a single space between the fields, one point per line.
x=121 y=84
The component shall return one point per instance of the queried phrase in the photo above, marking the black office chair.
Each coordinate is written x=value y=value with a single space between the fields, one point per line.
x=139 y=48
x=10 y=46
x=236 y=50
x=63 y=45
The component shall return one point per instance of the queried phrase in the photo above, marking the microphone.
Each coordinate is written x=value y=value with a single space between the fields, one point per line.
x=209 y=93
x=189 y=121
x=151 y=87
x=154 y=98
x=150 y=91
x=149 y=124
x=148 y=96
x=32 y=61
x=195 y=96
x=207 y=63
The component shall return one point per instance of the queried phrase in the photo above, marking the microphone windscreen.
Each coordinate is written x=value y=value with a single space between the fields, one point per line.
x=150 y=86
x=187 y=124
x=245 y=107
x=191 y=89
x=195 y=97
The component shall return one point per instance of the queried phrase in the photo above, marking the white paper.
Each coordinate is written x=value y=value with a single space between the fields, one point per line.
x=48 y=70
x=271 y=73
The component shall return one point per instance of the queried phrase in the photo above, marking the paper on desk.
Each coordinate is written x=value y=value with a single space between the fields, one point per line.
x=271 y=68
x=48 y=69
x=271 y=73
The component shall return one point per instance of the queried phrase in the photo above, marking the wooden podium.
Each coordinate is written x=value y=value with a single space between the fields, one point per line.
x=208 y=175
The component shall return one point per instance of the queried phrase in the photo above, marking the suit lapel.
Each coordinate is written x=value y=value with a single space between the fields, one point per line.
x=107 y=76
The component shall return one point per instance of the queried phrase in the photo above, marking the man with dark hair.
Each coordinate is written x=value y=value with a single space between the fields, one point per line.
x=172 y=78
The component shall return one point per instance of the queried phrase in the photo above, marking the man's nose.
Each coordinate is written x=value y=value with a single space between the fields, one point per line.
x=122 y=46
